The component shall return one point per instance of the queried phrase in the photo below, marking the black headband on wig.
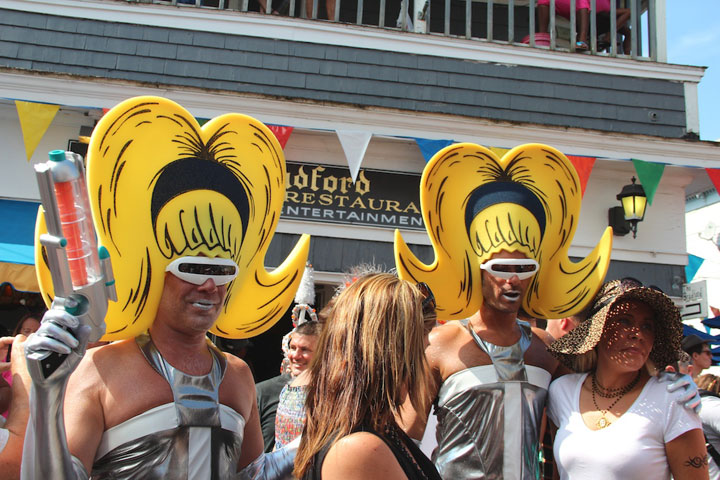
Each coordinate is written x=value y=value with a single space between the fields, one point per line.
x=188 y=174
x=503 y=192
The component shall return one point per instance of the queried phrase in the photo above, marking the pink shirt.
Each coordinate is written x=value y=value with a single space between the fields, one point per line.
x=563 y=6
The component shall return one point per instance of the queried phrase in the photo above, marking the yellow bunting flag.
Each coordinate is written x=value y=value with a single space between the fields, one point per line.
x=35 y=118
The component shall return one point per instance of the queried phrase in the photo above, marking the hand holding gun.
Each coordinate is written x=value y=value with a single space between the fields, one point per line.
x=83 y=283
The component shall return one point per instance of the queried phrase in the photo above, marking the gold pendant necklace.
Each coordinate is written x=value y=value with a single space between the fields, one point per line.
x=618 y=394
x=602 y=421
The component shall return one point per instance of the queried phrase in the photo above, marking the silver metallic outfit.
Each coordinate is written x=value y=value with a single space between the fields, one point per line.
x=489 y=415
x=194 y=437
x=198 y=445
x=205 y=441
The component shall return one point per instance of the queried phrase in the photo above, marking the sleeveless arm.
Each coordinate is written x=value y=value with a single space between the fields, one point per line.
x=16 y=424
x=687 y=456
x=411 y=420
x=46 y=453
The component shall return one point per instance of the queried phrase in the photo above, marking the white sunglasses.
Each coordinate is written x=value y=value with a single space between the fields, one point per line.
x=510 y=267
x=197 y=270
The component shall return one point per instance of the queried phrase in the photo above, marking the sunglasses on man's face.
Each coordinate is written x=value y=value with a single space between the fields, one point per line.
x=197 y=270
x=509 y=267
x=428 y=303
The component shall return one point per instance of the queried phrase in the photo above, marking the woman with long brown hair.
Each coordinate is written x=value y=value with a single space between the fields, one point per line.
x=370 y=355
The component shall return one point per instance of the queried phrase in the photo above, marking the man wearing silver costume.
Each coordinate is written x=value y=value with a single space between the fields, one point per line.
x=491 y=375
x=166 y=404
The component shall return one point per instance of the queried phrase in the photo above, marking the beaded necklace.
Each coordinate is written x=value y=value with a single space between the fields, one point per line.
x=616 y=393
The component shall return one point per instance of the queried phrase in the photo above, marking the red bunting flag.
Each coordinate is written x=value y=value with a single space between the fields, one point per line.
x=583 y=166
x=714 y=174
x=282 y=133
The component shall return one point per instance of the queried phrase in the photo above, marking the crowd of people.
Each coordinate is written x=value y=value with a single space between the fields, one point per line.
x=403 y=362
x=351 y=412
x=437 y=349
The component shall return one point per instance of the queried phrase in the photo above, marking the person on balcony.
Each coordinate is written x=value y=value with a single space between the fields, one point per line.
x=329 y=9
x=582 y=8
x=283 y=7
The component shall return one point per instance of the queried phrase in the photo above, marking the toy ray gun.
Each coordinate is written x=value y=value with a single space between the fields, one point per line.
x=81 y=273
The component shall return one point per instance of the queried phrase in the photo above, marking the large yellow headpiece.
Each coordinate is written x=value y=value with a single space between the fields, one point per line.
x=162 y=187
x=475 y=205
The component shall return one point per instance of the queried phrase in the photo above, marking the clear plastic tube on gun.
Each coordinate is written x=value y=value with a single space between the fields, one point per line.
x=75 y=220
x=81 y=272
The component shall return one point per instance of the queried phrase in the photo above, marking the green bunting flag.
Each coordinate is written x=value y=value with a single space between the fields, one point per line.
x=649 y=175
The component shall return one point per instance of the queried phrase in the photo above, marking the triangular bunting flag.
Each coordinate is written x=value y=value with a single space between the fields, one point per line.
x=649 y=175
x=202 y=121
x=583 y=166
x=354 y=144
x=431 y=147
x=282 y=133
x=105 y=110
x=692 y=267
x=714 y=174
x=35 y=118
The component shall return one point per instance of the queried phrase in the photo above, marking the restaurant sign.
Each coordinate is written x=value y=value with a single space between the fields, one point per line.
x=378 y=198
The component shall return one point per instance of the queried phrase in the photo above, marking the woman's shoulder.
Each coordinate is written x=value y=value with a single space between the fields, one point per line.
x=656 y=388
x=562 y=396
x=361 y=455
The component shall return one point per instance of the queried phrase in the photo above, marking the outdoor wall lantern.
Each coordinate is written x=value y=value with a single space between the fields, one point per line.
x=624 y=219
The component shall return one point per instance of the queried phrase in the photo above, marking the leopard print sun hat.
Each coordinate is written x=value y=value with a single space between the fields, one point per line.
x=668 y=325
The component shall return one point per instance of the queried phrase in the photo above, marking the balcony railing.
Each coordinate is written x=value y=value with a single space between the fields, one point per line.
x=515 y=22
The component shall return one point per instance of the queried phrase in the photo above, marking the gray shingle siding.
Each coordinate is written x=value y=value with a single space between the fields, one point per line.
x=364 y=77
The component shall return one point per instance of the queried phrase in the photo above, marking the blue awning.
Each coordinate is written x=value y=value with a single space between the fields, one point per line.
x=713 y=322
x=688 y=330
x=17 y=231
x=17 y=237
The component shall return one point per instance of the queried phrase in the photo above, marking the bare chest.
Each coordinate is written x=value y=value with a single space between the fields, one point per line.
x=131 y=392
x=467 y=354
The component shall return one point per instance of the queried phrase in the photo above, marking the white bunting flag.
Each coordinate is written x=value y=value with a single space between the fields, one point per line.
x=355 y=145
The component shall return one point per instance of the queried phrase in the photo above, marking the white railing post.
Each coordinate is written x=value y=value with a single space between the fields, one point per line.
x=659 y=32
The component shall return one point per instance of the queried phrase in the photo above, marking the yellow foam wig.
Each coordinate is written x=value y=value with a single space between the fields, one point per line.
x=162 y=187
x=475 y=204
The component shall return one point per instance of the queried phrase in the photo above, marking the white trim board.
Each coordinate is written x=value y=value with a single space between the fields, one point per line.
x=327 y=33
